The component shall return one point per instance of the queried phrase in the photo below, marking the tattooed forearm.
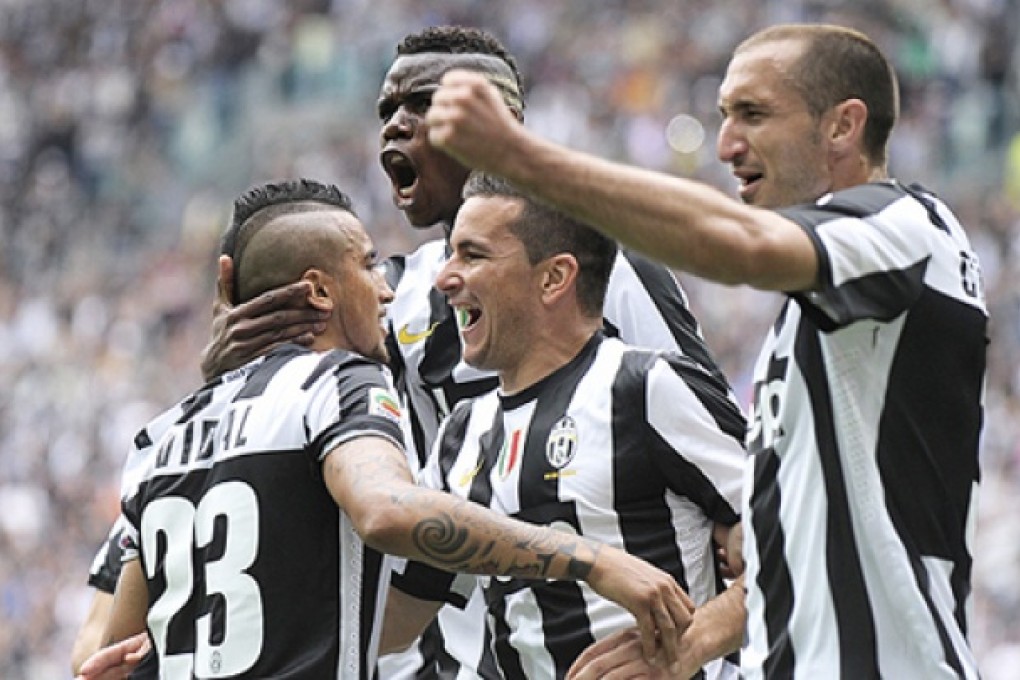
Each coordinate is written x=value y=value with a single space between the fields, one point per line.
x=461 y=542
x=449 y=532
x=439 y=538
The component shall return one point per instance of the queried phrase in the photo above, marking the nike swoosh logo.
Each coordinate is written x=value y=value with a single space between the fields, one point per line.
x=466 y=478
x=407 y=337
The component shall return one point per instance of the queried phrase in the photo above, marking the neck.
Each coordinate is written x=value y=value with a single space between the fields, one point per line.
x=328 y=341
x=556 y=347
x=878 y=173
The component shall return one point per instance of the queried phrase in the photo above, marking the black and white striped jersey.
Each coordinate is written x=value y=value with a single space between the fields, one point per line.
x=645 y=306
x=105 y=568
x=252 y=569
x=634 y=448
x=864 y=443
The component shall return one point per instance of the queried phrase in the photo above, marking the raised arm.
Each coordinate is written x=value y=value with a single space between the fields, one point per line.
x=685 y=224
x=242 y=332
x=369 y=479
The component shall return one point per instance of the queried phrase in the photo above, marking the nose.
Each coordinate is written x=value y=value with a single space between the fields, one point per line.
x=401 y=125
x=448 y=281
x=731 y=144
x=385 y=292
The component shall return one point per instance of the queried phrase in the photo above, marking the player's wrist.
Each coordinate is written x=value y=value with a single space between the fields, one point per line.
x=587 y=562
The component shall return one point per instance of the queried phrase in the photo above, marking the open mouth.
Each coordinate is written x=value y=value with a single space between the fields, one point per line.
x=401 y=171
x=467 y=317
x=747 y=178
x=748 y=183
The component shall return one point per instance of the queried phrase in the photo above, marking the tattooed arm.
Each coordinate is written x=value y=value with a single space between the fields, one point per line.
x=369 y=479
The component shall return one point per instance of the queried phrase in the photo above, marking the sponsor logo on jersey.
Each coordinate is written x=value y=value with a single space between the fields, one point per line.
x=469 y=475
x=561 y=446
x=382 y=403
x=509 y=454
x=405 y=336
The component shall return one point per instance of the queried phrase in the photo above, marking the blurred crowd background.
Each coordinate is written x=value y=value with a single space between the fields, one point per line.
x=126 y=128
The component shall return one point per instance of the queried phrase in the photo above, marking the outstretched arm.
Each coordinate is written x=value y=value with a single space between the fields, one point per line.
x=241 y=333
x=685 y=224
x=370 y=480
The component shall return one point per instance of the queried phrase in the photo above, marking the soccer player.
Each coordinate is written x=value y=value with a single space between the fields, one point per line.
x=644 y=305
x=636 y=448
x=259 y=507
x=868 y=398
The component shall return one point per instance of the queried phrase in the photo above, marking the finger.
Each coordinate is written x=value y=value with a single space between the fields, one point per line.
x=608 y=653
x=225 y=280
x=609 y=644
x=588 y=658
x=633 y=670
x=668 y=637
x=277 y=326
x=628 y=670
x=681 y=609
x=291 y=296
x=648 y=628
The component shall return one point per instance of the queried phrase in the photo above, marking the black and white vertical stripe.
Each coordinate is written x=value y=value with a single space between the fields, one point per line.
x=868 y=410
x=634 y=448
x=303 y=589
x=644 y=306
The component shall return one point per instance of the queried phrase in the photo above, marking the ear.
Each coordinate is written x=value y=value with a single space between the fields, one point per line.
x=846 y=132
x=559 y=277
x=322 y=284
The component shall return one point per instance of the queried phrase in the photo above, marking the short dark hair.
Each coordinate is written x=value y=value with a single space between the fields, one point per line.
x=462 y=40
x=545 y=232
x=260 y=205
x=839 y=63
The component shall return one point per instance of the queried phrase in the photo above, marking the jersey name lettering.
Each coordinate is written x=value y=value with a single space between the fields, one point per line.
x=197 y=439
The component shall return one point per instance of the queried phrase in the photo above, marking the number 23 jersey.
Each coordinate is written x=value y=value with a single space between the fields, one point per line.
x=252 y=570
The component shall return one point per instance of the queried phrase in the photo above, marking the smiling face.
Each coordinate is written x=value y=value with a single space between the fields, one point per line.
x=769 y=137
x=491 y=285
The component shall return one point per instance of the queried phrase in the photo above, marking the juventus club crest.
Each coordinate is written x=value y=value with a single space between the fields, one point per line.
x=562 y=443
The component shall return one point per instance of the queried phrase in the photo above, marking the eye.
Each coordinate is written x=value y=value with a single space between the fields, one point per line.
x=419 y=103
x=744 y=113
x=754 y=115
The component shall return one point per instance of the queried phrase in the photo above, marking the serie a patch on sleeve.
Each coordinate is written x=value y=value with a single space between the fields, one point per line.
x=381 y=402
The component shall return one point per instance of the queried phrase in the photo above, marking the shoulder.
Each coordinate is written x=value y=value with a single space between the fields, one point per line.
x=860 y=201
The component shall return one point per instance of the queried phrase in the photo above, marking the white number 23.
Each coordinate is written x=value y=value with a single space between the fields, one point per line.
x=185 y=528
